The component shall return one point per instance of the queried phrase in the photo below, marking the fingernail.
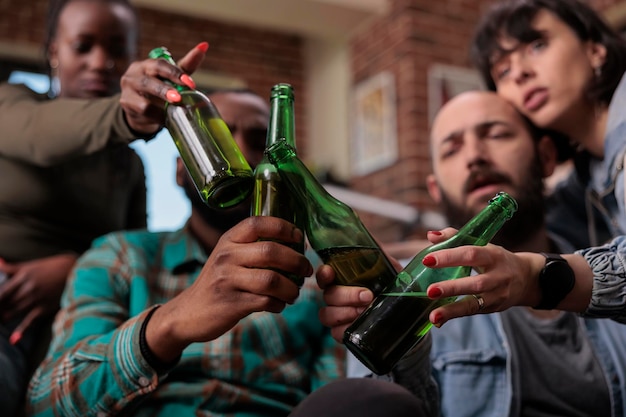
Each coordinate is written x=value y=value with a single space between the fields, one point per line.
x=429 y=261
x=15 y=338
x=434 y=292
x=435 y=232
x=437 y=320
x=186 y=79
x=173 y=96
x=203 y=46
x=365 y=296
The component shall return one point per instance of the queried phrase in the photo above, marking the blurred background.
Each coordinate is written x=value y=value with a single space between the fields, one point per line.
x=368 y=77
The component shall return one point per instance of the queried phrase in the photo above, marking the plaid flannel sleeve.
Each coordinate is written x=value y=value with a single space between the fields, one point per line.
x=94 y=364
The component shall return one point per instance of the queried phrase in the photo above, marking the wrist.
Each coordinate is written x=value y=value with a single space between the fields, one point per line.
x=535 y=263
x=159 y=337
x=556 y=280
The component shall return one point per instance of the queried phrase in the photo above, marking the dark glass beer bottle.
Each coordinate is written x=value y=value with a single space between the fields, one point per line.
x=271 y=196
x=215 y=163
x=333 y=229
x=398 y=318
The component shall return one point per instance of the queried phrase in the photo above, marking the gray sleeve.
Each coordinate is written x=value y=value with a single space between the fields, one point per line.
x=414 y=373
x=608 y=296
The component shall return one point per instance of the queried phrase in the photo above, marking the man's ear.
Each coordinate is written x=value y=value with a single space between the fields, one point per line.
x=433 y=188
x=547 y=155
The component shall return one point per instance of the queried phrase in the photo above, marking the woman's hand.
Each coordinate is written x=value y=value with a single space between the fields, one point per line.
x=504 y=279
x=34 y=288
x=144 y=90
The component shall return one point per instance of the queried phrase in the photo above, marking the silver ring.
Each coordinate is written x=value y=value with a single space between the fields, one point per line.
x=481 y=301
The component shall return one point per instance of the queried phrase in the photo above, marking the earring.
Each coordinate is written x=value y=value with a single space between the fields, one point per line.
x=110 y=64
x=597 y=71
x=54 y=63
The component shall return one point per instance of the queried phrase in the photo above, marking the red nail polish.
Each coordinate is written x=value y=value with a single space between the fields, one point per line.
x=434 y=292
x=15 y=338
x=435 y=232
x=429 y=261
x=186 y=79
x=437 y=319
x=203 y=46
x=172 y=96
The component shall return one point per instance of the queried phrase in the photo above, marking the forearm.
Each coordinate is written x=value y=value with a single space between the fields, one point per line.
x=47 y=132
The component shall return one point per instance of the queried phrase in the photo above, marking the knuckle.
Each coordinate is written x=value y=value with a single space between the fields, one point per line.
x=268 y=279
x=255 y=222
x=267 y=249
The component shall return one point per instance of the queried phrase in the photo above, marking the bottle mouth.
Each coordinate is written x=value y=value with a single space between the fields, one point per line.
x=505 y=202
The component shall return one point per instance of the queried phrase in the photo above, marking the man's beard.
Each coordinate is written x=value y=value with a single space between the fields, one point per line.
x=530 y=214
x=219 y=219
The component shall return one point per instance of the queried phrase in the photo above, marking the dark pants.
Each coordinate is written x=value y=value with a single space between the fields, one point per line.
x=362 y=397
x=17 y=363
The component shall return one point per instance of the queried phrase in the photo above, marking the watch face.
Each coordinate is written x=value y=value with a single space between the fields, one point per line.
x=558 y=271
x=556 y=281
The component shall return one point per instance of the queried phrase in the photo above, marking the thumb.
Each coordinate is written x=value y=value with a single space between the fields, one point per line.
x=437 y=236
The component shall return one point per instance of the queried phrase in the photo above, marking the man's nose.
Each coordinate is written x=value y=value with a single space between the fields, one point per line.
x=476 y=153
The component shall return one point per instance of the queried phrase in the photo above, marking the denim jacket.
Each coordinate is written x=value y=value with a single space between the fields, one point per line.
x=470 y=358
x=605 y=190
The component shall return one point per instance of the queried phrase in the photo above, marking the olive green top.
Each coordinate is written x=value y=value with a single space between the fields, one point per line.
x=67 y=174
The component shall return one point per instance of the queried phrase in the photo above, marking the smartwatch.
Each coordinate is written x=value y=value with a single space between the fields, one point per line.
x=556 y=280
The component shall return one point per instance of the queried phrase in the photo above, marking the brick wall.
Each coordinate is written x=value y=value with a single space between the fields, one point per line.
x=414 y=35
x=411 y=37
x=260 y=58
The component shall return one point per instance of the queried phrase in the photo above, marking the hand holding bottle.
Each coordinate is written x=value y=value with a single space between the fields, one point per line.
x=239 y=278
x=213 y=159
x=505 y=279
x=271 y=196
x=144 y=91
x=399 y=317
x=343 y=303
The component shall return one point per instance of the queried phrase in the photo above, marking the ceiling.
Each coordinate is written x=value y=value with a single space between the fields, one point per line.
x=325 y=19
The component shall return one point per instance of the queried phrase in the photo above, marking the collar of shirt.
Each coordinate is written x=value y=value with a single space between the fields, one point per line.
x=182 y=253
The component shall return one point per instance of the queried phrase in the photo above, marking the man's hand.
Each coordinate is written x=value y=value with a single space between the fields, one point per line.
x=239 y=278
x=343 y=303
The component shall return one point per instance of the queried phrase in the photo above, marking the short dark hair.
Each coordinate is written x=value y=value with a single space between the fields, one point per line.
x=513 y=18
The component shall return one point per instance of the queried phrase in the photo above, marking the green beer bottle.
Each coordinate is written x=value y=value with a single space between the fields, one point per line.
x=215 y=163
x=398 y=318
x=333 y=229
x=271 y=196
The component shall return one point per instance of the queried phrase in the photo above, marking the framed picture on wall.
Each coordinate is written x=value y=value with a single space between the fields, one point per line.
x=445 y=82
x=374 y=142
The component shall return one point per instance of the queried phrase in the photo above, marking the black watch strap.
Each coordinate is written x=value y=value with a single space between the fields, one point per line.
x=556 y=280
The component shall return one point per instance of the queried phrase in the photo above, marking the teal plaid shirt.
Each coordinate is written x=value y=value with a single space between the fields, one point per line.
x=264 y=366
